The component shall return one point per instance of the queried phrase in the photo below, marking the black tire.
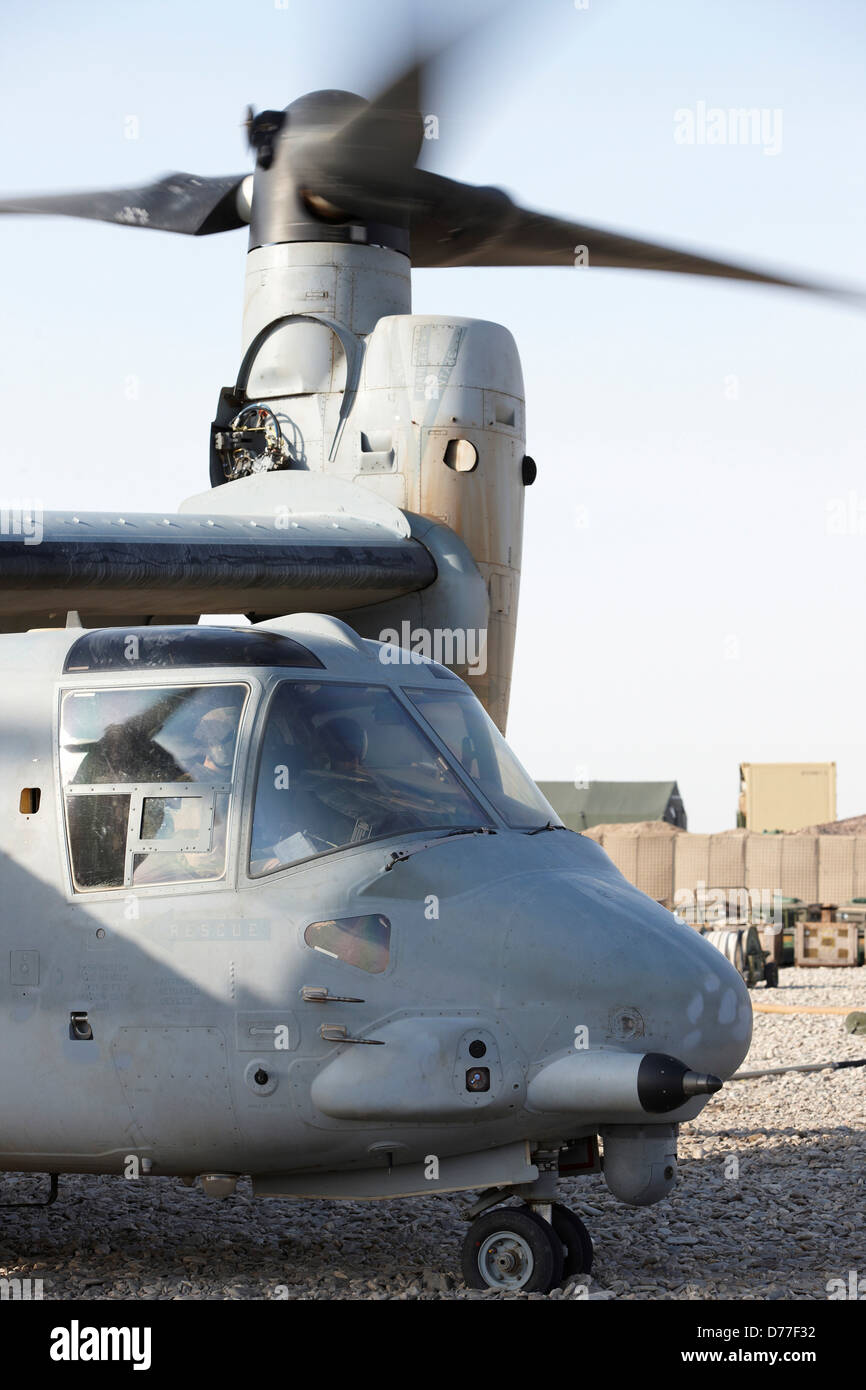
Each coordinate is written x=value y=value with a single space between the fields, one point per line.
x=771 y=975
x=576 y=1240
x=510 y=1249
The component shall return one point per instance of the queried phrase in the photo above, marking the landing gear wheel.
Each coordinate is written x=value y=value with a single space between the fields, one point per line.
x=510 y=1249
x=576 y=1239
x=771 y=975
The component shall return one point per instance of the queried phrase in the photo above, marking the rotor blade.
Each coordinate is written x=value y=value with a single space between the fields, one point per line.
x=382 y=142
x=456 y=224
x=366 y=168
x=379 y=143
x=176 y=203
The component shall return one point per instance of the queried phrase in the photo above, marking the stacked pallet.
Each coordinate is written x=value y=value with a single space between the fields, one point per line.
x=821 y=939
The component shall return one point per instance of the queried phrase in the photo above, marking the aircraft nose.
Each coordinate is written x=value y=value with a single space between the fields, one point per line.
x=693 y=1004
x=636 y=977
x=708 y=1016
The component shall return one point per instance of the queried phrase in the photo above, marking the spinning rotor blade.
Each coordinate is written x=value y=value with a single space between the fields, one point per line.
x=332 y=160
x=385 y=137
x=175 y=203
x=367 y=169
x=457 y=224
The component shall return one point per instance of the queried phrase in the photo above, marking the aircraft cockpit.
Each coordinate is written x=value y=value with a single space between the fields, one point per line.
x=153 y=773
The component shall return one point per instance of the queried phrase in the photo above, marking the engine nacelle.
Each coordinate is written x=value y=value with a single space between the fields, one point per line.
x=426 y=411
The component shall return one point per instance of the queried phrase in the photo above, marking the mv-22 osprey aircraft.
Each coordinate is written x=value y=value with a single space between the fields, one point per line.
x=278 y=900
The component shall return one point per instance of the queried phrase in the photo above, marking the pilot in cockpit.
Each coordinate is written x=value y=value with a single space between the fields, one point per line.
x=301 y=810
x=346 y=743
x=214 y=740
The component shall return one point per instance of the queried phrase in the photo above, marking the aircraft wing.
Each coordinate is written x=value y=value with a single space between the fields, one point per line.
x=142 y=568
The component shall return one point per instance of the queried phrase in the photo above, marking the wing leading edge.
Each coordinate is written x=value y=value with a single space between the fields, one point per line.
x=146 y=568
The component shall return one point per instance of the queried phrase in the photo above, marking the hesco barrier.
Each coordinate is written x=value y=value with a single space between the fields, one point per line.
x=813 y=868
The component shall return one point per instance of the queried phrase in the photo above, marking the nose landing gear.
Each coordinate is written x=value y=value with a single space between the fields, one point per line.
x=533 y=1247
x=515 y=1249
x=576 y=1240
x=512 y=1249
x=530 y=1248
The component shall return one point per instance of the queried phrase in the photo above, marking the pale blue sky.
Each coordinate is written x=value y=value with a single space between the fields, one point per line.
x=684 y=605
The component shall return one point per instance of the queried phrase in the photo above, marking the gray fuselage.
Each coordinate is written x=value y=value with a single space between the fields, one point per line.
x=206 y=1057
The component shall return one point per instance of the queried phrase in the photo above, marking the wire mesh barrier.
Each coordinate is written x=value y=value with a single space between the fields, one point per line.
x=814 y=883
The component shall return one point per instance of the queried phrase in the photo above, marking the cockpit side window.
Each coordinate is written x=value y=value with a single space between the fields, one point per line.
x=463 y=725
x=343 y=763
x=147 y=777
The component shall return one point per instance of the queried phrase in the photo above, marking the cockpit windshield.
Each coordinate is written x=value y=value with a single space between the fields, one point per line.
x=344 y=763
x=467 y=730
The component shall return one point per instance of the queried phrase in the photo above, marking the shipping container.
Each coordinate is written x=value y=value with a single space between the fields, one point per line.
x=786 y=796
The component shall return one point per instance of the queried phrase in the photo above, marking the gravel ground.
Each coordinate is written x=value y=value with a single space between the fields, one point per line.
x=769 y=1205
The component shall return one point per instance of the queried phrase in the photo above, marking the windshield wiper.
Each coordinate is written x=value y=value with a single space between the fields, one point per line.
x=550 y=826
x=400 y=854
